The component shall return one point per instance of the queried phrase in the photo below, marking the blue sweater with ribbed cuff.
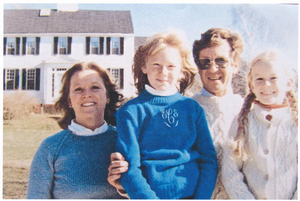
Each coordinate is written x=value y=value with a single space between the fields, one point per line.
x=168 y=145
x=69 y=166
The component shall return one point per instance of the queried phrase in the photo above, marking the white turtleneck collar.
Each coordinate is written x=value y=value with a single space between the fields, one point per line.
x=155 y=92
x=83 y=131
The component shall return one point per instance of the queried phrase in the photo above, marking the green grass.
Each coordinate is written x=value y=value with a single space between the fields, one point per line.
x=22 y=137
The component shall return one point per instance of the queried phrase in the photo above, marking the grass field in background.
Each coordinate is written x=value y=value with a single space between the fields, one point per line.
x=21 y=139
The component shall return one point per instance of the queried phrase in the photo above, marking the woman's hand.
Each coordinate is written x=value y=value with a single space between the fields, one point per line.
x=117 y=166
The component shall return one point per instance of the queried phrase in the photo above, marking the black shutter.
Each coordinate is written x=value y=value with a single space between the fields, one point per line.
x=37 y=45
x=17 y=45
x=121 y=45
x=37 y=79
x=121 y=78
x=24 y=46
x=23 y=78
x=108 y=45
x=55 y=45
x=4 y=45
x=69 y=45
x=87 y=45
x=101 y=45
x=4 y=79
x=17 y=77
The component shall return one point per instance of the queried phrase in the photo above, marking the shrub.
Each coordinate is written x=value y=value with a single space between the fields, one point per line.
x=18 y=105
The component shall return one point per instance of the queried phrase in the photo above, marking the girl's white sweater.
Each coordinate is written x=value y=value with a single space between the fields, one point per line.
x=272 y=169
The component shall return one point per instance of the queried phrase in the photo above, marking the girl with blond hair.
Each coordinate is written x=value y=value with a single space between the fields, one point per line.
x=260 y=161
x=162 y=134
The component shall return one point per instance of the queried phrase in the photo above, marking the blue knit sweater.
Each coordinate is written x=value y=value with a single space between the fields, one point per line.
x=168 y=145
x=72 y=167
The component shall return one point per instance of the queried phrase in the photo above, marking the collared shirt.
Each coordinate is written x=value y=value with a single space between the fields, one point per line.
x=81 y=130
x=206 y=93
x=155 y=92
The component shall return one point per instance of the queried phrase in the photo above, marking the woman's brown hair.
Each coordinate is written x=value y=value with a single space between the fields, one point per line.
x=115 y=97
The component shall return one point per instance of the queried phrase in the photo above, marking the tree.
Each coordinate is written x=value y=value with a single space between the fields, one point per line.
x=258 y=31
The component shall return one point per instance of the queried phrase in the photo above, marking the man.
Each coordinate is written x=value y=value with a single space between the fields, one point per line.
x=217 y=55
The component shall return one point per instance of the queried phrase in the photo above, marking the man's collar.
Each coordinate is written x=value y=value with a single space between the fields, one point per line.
x=206 y=93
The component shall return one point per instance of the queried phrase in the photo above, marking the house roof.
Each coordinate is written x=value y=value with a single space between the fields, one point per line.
x=138 y=41
x=81 y=21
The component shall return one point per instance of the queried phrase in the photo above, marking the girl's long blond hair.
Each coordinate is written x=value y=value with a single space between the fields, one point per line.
x=240 y=143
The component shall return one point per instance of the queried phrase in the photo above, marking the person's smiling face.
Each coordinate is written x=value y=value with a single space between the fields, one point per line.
x=268 y=83
x=87 y=96
x=163 y=69
x=217 y=80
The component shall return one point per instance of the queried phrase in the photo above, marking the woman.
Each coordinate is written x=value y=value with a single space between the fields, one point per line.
x=74 y=163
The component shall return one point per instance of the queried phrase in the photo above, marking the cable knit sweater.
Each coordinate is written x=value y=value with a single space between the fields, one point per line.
x=272 y=170
x=219 y=112
x=167 y=143
x=70 y=166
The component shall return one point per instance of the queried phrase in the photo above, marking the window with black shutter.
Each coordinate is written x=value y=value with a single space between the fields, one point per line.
x=23 y=45
x=69 y=45
x=121 y=45
x=4 y=45
x=10 y=79
x=55 y=45
x=37 y=43
x=37 y=79
x=17 y=77
x=4 y=84
x=23 y=79
x=87 y=45
x=101 y=45
x=17 y=45
x=118 y=75
x=108 y=45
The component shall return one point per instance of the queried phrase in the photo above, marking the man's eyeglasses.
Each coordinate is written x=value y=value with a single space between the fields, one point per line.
x=205 y=63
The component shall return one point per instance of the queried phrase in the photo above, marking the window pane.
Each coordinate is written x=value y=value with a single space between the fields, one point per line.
x=115 y=45
x=10 y=77
x=94 y=45
x=62 y=45
x=30 y=79
x=11 y=45
x=30 y=42
x=62 y=51
x=10 y=85
x=116 y=75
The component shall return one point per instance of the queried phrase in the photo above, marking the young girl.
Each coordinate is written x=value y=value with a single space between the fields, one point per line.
x=261 y=162
x=162 y=134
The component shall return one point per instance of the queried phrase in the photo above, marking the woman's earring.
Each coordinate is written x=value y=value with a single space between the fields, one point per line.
x=70 y=106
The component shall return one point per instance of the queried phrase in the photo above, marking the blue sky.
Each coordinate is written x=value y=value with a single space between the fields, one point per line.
x=192 y=18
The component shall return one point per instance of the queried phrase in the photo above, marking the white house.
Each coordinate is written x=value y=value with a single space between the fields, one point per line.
x=40 y=45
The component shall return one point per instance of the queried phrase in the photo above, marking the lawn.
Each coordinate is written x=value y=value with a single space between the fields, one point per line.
x=21 y=138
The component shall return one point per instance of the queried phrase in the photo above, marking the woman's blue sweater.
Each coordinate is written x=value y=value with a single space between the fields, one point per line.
x=69 y=166
x=168 y=145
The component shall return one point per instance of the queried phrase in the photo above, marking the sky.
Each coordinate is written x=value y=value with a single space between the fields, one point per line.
x=191 y=18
